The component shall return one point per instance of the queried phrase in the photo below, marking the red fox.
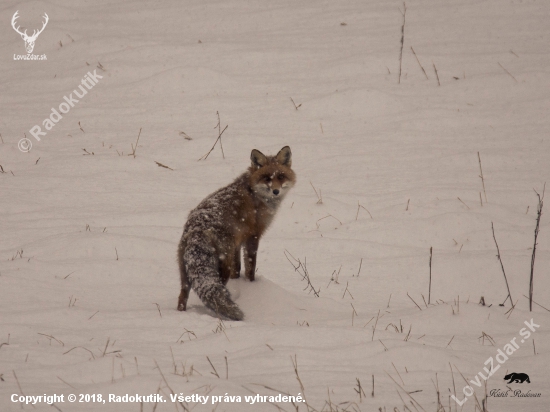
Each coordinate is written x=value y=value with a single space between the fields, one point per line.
x=234 y=217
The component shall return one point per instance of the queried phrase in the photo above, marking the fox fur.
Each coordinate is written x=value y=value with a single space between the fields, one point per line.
x=234 y=217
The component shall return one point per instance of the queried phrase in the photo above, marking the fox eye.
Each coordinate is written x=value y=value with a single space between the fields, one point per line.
x=281 y=177
x=267 y=179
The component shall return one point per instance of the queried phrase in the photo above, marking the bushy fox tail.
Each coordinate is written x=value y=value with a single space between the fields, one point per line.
x=201 y=266
x=217 y=298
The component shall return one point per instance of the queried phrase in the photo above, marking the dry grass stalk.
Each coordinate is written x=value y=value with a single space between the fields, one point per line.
x=18 y=384
x=413 y=301
x=408 y=334
x=488 y=337
x=436 y=74
x=81 y=347
x=481 y=176
x=510 y=74
x=319 y=195
x=218 y=139
x=450 y=341
x=301 y=268
x=359 y=271
x=302 y=388
x=354 y=313
x=475 y=397
x=215 y=373
x=226 y=368
x=185 y=135
x=502 y=266
x=463 y=202
x=424 y=71
x=526 y=297
x=161 y=165
x=440 y=406
x=424 y=299
x=359 y=206
x=329 y=215
x=296 y=107
x=430 y=286
x=509 y=311
x=134 y=147
x=66 y=383
x=398 y=373
x=158 y=308
x=189 y=334
x=219 y=133
x=347 y=290
x=168 y=386
x=50 y=337
x=404 y=12
x=539 y=214
x=406 y=392
x=375 y=323
x=359 y=390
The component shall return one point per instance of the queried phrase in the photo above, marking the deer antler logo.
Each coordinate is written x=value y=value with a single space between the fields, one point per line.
x=29 y=40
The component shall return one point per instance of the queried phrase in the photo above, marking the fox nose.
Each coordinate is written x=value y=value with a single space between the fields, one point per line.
x=276 y=192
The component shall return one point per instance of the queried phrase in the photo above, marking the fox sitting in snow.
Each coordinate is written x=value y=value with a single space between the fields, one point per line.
x=234 y=217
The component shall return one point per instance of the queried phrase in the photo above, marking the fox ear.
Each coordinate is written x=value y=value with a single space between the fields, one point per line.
x=258 y=158
x=284 y=156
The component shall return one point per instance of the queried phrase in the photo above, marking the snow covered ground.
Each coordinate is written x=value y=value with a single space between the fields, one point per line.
x=88 y=275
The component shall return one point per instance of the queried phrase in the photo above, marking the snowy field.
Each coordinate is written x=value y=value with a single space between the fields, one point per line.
x=386 y=154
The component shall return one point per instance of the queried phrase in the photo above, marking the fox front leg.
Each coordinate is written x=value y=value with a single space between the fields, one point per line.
x=185 y=288
x=237 y=263
x=250 y=251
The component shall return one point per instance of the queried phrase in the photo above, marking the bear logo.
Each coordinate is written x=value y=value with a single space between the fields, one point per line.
x=517 y=377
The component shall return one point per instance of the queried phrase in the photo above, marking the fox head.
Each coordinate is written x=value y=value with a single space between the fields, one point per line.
x=271 y=176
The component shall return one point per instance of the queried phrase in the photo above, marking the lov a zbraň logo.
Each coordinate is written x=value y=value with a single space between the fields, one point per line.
x=501 y=357
x=29 y=40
